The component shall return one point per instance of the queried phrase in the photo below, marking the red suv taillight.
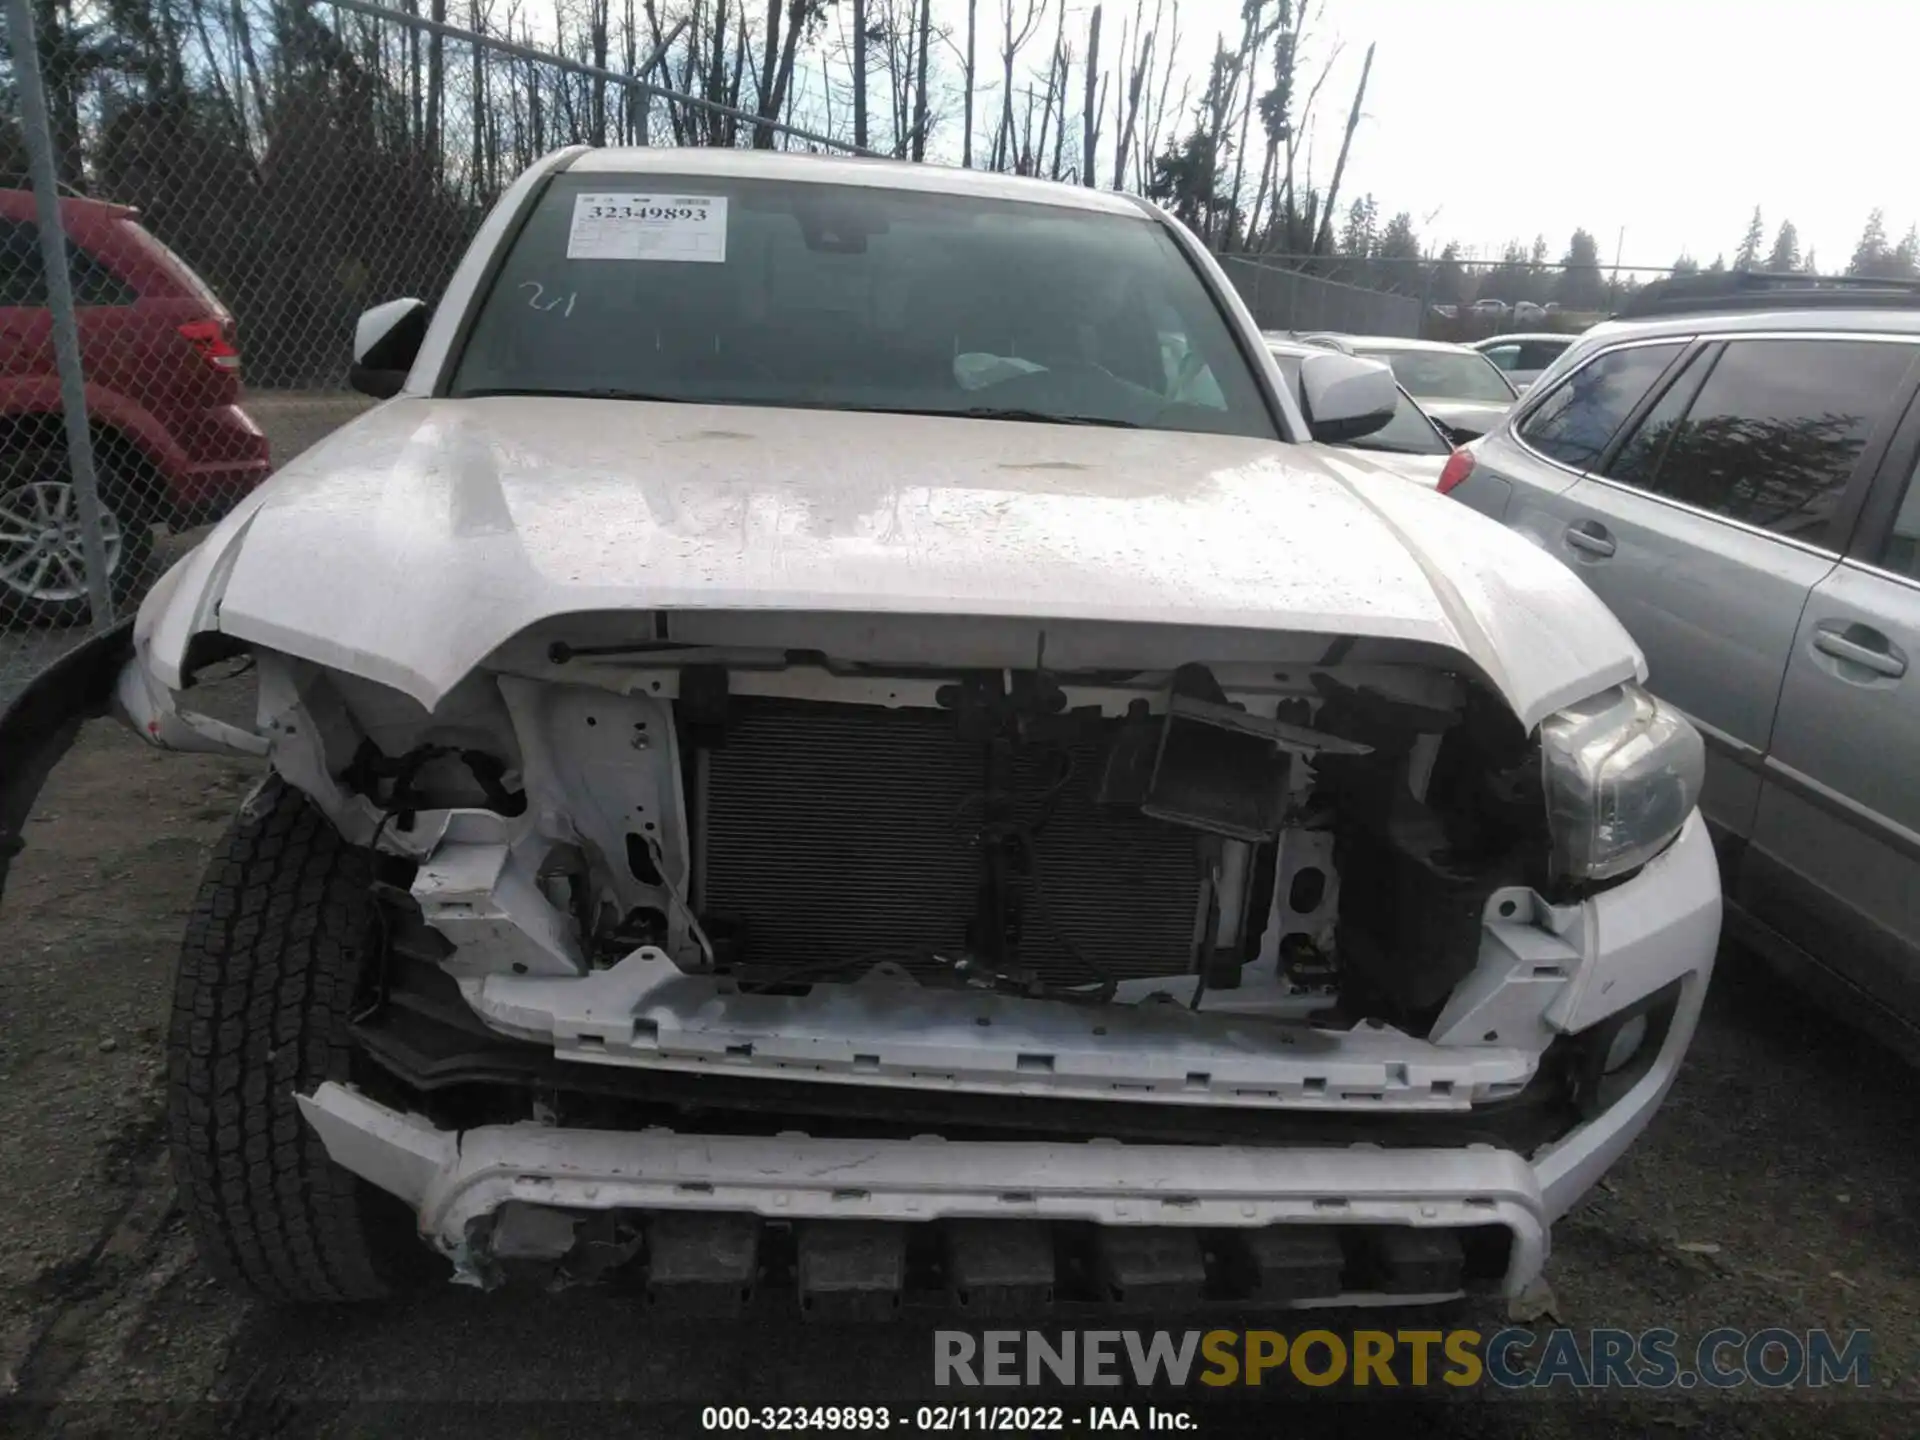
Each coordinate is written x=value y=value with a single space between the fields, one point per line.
x=214 y=341
x=1459 y=465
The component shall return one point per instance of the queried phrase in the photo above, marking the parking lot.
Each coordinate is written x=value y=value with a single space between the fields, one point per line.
x=1777 y=1188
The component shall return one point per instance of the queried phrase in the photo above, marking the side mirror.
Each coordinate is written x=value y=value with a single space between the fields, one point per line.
x=385 y=341
x=1346 y=397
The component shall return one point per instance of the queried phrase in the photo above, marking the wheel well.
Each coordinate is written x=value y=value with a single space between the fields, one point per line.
x=119 y=457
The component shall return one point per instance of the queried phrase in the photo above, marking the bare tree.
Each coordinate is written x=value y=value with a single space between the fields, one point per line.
x=1012 y=38
x=1137 y=78
x=597 y=42
x=1090 y=109
x=1056 y=90
x=966 y=138
x=781 y=47
x=860 y=73
x=920 y=82
x=1157 y=112
x=1323 y=240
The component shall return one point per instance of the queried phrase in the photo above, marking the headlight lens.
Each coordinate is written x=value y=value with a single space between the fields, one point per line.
x=1622 y=774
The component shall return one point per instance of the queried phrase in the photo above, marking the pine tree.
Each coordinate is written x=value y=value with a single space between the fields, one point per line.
x=1747 y=257
x=1905 y=261
x=1870 y=255
x=1581 y=287
x=1685 y=265
x=1357 y=236
x=1785 y=257
x=1396 y=256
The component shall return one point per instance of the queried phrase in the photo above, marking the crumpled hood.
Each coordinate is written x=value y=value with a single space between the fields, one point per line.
x=410 y=544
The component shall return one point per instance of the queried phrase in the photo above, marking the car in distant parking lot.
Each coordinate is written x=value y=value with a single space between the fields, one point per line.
x=1456 y=385
x=1410 y=445
x=1522 y=357
x=171 y=443
x=1731 y=466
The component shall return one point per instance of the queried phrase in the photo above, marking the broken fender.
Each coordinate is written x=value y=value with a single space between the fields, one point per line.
x=41 y=724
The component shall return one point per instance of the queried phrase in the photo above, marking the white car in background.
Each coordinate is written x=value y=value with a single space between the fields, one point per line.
x=1409 y=445
x=752 y=798
x=1524 y=358
x=1455 y=384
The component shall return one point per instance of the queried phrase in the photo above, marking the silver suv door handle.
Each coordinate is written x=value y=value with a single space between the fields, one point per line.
x=1841 y=648
x=1590 y=537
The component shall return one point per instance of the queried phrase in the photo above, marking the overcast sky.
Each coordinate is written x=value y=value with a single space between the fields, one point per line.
x=1672 y=118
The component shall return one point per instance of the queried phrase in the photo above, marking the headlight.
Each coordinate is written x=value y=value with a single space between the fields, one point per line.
x=1622 y=774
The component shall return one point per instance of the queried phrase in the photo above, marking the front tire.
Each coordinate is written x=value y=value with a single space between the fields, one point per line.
x=276 y=960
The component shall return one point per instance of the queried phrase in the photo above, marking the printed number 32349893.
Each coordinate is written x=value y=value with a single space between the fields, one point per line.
x=696 y=213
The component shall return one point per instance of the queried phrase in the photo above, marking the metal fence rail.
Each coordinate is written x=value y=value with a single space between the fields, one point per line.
x=1285 y=299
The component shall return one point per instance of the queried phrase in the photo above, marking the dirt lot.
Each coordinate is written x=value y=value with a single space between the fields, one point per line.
x=1779 y=1187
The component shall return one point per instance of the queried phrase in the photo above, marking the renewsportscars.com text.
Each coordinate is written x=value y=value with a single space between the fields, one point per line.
x=1513 y=1358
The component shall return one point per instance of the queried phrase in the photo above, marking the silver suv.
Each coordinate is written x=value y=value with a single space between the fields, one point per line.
x=1730 y=465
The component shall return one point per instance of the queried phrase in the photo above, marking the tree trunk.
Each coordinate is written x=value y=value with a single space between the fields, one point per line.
x=1056 y=90
x=597 y=37
x=789 y=55
x=1325 y=237
x=920 y=82
x=1089 y=115
x=860 y=73
x=966 y=138
x=479 y=152
x=1136 y=81
x=436 y=88
x=769 y=105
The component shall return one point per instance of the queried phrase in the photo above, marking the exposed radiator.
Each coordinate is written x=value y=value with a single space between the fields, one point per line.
x=837 y=833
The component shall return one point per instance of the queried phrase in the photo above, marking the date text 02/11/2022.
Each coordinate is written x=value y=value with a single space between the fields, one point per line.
x=945 y=1419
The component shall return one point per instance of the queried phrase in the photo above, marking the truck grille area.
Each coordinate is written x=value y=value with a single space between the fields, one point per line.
x=842 y=835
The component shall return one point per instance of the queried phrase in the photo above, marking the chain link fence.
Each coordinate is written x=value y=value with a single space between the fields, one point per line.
x=234 y=184
x=197 y=200
x=1285 y=298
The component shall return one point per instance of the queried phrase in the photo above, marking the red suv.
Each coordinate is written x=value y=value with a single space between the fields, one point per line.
x=171 y=443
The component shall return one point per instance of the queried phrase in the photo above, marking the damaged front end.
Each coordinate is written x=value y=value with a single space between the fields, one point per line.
x=1319 y=949
x=1310 y=976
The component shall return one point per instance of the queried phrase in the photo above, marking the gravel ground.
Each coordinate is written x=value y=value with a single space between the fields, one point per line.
x=1776 y=1188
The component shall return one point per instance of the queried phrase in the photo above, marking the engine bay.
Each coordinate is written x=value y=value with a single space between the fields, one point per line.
x=1319 y=842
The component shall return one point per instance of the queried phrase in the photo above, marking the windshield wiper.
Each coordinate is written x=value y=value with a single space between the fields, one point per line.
x=998 y=412
x=973 y=412
x=605 y=393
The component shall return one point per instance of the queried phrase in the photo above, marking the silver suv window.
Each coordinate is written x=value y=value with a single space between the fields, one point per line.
x=1774 y=433
x=1901 y=553
x=1578 y=419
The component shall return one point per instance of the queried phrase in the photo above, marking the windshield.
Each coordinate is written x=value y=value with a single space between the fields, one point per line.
x=763 y=292
x=1409 y=432
x=1446 y=375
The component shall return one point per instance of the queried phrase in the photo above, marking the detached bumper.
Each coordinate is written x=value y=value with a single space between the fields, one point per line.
x=1654 y=933
x=456 y=1180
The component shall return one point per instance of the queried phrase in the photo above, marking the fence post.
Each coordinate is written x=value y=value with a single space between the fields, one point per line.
x=37 y=133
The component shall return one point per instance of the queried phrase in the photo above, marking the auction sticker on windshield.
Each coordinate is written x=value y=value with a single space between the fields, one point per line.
x=625 y=226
